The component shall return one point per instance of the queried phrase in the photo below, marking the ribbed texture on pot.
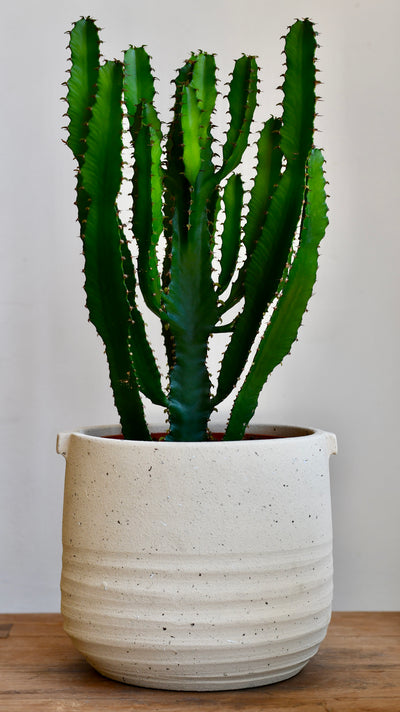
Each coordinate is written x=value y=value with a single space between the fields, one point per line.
x=172 y=625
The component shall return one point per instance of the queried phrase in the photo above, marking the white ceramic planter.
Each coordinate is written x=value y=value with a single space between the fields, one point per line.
x=197 y=566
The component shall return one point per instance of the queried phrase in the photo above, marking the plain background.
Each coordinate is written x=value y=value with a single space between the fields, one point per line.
x=343 y=374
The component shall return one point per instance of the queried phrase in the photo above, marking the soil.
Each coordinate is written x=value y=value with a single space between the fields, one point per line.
x=215 y=437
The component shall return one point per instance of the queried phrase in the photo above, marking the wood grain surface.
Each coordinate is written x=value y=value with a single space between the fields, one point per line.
x=356 y=670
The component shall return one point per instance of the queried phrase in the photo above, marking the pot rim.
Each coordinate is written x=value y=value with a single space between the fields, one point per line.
x=277 y=431
x=280 y=433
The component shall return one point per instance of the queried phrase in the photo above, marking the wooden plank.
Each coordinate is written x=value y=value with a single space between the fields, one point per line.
x=29 y=618
x=102 y=706
x=361 y=623
x=43 y=705
x=26 y=625
x=356 y=670
x=5 y=630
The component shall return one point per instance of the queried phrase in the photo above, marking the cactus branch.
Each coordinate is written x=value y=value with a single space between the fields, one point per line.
x=191 y=133
x=271 y=251
x=242 y=103
x=142 y=357
x=295 y=293
x=85 y=59
x=145 y=129
x=231 y=234
x=106 y=291
x=299 y=92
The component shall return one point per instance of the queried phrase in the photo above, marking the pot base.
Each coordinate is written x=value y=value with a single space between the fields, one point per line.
x=179 y=683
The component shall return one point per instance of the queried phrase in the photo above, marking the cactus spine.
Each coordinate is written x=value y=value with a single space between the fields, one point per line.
x=177 y=197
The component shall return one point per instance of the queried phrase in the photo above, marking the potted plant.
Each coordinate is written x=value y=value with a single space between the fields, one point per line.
x=196 y=559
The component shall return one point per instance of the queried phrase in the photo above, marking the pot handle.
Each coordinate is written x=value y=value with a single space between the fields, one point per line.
x=331 y=443
x=62 y=444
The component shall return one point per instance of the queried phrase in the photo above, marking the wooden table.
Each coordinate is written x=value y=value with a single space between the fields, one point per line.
x=356 y=670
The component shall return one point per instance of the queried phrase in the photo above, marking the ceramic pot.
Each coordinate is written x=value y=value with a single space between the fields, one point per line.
x=197 y=566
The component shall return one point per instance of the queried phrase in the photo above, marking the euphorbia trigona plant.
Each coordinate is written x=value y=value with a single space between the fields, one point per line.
x=220 y=256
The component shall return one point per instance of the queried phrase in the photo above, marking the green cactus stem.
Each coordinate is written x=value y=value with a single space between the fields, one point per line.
x=294 y=294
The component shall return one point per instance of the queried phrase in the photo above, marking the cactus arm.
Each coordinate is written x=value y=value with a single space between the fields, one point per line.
x=295 y=293
x=144 y=364
x=270 y=246
x=84 y=47
x=145 y=129
x=242 y=100
x=203 y=82
x=106 y=291
x=198 y=101
x=299 y=92
x=177 y=187
x=147 y=205
x=231 y=233
x=266 y=263
x=235 y=295
x=176 y=197
x=262 y=273
x=269 y=165
x=191 y=132
x=138 y=78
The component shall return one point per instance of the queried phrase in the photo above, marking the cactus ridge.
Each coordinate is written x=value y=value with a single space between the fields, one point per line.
x=183 y=196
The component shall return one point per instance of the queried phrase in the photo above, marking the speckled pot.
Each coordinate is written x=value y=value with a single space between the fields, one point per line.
x=197 y=566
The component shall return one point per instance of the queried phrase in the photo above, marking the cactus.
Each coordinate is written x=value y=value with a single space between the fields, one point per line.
x=179 y=197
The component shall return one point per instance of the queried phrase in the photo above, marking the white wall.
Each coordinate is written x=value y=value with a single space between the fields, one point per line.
x=343 y=374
